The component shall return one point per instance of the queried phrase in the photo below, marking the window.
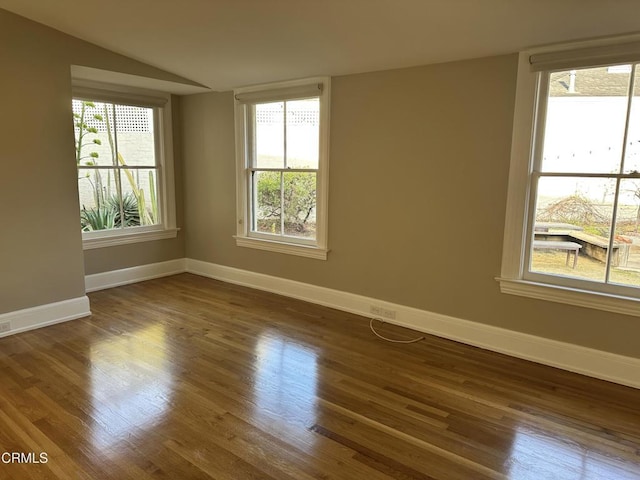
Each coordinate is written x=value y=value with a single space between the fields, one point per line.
x=572 y=232
x=282 y=146
x=124 y=166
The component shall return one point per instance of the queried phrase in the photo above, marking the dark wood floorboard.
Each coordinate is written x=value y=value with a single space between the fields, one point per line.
x=190 y=378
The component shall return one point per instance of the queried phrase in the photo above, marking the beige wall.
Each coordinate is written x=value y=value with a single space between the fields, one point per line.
x=418 y=182
x=41 y=257
x=419 y=164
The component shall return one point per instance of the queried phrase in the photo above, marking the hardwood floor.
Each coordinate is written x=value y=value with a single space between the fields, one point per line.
x=189 y=378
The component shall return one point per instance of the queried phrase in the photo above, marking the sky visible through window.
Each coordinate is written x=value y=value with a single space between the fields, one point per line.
x=587 y=148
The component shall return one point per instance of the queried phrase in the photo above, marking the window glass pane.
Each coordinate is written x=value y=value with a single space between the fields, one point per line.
x=98 y=195
x=573 y=216
x=94 y=134
x=625 y=262
x=267 y=202
x=134 y=126
x=632 y=157
x=303 y=133
x=269 y=135
x=139 y=197
x=300 y=204
x=586 y=115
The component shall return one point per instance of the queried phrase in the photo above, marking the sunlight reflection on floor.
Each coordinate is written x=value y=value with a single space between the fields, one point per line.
x=285 y=389
x=286 y=379
x=131 y=384
x=536 y=456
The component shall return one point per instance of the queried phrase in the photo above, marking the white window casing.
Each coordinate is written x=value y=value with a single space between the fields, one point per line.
x=533 y=70
x=160 y=102
x=245 y=100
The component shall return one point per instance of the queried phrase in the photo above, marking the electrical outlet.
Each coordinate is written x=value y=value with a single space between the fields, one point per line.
x=383 y=312
x=5 y=327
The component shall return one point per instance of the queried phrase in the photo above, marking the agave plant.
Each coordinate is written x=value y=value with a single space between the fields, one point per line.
x=100 y=218
x=129 y=208
x=109 y=215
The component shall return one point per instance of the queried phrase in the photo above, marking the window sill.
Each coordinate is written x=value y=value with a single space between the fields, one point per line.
x=571 y=296
x=110 y=240
x=280 y=247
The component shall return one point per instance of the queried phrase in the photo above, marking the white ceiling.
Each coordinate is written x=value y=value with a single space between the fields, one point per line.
x=230 y=43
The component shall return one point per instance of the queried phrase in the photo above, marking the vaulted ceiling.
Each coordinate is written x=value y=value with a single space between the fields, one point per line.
x=230 y=43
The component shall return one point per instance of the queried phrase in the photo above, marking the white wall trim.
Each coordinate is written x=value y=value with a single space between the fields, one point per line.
x=111 y=240
x=575 y=358
x=115 y=278
x=571 y=296
x=519 y=167
x=44 y=315
x=308 y=251
x=583 y=360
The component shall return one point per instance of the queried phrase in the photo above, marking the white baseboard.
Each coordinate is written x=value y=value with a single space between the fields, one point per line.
x=116 y=278
x=44 y=315
x=586 y=361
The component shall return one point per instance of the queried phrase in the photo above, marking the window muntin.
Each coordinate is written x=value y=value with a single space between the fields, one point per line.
x=284 y=155
x=118 y=165
x=282 y=140
x=583 y=180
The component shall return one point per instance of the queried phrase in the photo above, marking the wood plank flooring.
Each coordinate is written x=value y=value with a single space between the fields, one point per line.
x=189 y=378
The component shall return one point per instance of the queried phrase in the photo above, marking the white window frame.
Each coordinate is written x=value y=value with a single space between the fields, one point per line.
x=163 y=129
x=244 y=98
x=514 y=278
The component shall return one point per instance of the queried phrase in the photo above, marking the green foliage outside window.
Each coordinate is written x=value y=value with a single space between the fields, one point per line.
x=299 y=198
x=108 y=213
